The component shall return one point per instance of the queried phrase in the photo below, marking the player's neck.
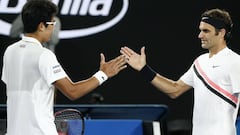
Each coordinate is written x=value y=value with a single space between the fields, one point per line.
x=33 y=35
x=215 y=50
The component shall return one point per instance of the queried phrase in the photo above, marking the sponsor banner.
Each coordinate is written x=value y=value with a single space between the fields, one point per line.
x=79 y=18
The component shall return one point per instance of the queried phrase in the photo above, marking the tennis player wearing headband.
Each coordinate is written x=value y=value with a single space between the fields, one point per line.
x=214 y=77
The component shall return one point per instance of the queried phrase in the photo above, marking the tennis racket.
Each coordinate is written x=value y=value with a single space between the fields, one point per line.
x=63 y=116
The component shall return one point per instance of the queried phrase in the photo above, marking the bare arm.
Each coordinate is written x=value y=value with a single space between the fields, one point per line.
x=138 y=62
x=76 y=90
x=172 y=88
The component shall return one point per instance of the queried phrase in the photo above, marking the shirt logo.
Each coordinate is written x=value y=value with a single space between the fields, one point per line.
x=56 y=69
x=215 y=66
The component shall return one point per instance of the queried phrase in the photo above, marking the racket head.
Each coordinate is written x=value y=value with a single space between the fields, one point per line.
x=63 y=116
x=68 y=114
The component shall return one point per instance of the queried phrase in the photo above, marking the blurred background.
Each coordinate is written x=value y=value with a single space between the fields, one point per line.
x=168 y=30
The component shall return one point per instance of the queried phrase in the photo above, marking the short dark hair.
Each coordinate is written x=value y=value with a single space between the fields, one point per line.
x=36 y=11
x=222 y=17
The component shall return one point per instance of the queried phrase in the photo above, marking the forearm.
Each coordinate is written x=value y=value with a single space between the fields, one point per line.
x=82 y=88
x=78 y=89
x=165 y=85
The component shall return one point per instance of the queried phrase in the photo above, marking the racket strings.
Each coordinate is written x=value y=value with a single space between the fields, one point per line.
x=68 y=115
x=63 y=116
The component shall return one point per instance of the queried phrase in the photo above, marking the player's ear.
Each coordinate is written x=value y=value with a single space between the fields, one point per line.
x=41 y=26
x=223 y=32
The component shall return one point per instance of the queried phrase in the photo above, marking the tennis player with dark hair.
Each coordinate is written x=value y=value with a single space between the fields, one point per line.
x=17 y=31
x=31 y=71
x=214 y=76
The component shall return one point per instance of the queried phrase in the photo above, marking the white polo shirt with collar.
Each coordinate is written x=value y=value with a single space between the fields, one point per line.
x=28 y=71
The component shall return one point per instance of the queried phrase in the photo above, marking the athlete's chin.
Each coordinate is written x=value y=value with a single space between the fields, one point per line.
x=203 y=45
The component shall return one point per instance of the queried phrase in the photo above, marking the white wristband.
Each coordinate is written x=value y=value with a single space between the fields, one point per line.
x=101 y=76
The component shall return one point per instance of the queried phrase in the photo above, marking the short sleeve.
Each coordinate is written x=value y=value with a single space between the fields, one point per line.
x=49 y=67
x=187 y=77
x=234 y=74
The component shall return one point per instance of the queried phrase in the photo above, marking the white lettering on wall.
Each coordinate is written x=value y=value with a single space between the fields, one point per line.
x=71 y=8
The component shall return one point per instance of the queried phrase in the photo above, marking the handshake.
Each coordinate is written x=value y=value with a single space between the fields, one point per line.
x=128 y=56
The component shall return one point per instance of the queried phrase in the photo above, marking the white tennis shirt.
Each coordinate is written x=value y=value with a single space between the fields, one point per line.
x=216 y=83
x=28 y=71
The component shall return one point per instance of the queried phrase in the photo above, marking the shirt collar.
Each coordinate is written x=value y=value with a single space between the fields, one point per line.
x=31 y=39
x=222 y=53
